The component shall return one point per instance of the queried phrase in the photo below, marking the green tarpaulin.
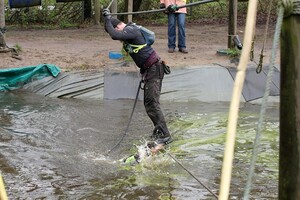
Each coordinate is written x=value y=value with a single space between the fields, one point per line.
x=15 y=78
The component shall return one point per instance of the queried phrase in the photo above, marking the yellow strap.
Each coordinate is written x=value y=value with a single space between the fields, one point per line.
x=137 y=47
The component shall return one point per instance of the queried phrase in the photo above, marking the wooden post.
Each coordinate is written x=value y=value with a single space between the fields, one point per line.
x=289 y=155
x=97 y=11
x=114 y=8
x=130 y=9
x=232 y=22
x=87 y=5
x=2 y=25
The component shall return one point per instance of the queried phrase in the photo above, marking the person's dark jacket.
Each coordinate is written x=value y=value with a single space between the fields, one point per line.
x=132 y=35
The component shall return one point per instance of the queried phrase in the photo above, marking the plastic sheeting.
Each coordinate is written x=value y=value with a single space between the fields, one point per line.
x=208 y=83
x=14 y=78
x=215 y=83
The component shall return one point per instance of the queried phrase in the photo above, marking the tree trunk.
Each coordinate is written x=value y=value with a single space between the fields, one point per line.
x=136 y=5
x=289 y=162
x=130 y=9
x=87 y=6
x=97 y=11
x=114 y=8
x=2 y=25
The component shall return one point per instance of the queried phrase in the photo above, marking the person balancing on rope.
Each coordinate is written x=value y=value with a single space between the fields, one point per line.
x=152 y=69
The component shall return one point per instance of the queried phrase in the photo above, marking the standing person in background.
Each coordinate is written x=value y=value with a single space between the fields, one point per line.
x=175 y=14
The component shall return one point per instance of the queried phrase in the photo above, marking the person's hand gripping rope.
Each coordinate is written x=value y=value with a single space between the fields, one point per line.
x=106 y=13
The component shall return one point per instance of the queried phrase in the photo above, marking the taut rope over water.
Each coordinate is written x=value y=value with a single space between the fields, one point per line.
x=190 y=173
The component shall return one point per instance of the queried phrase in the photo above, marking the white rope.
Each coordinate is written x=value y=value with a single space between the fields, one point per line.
x=264 y=102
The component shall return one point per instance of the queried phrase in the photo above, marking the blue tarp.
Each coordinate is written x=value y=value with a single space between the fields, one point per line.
x=15 y=78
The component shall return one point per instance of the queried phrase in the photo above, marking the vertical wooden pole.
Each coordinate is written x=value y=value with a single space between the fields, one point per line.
x=87 y=5
x=97 y=11
x=289 y=154
x=114 y=7
x=232 y=22
x=2 y=25
x=130 y=9
x=3 y=195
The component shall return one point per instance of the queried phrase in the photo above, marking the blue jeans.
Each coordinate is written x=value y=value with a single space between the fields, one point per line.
x=180 y=17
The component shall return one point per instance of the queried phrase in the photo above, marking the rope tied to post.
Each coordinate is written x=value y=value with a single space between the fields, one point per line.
x=3 y=30
x=291 y=7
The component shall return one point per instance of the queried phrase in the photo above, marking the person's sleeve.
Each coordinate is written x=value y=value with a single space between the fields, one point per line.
x=126 y=34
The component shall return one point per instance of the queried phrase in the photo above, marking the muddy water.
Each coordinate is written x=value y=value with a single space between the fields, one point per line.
x=58 y=149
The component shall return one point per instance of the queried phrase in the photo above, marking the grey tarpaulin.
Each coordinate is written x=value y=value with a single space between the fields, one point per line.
x=207 y=83
x=81 y=84
x=254 y=85
x=215 y=83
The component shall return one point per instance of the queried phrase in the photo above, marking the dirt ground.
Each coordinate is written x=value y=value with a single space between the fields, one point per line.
x=89 y=47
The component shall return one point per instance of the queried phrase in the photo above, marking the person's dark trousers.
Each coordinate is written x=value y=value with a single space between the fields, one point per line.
x=152 y=87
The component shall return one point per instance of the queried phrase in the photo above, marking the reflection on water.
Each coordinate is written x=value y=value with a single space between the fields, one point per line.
x=57 y=149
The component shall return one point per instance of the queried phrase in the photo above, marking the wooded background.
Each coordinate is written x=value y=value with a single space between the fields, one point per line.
x=65 y=13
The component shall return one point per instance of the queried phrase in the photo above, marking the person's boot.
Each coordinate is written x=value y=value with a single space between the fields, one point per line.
x=171 y=50
x=165 y=140
x=160 y=138
x=183 y=50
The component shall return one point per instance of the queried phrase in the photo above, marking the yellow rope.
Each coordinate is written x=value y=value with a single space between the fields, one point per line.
x=3 y=195
x=234 y=105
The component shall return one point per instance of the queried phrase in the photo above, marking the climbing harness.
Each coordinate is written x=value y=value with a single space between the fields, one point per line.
x=133 y=48
x=148 y=35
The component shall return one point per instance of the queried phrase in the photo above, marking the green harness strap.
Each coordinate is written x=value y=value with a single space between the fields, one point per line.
x=138 y=47
x=135 y=47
